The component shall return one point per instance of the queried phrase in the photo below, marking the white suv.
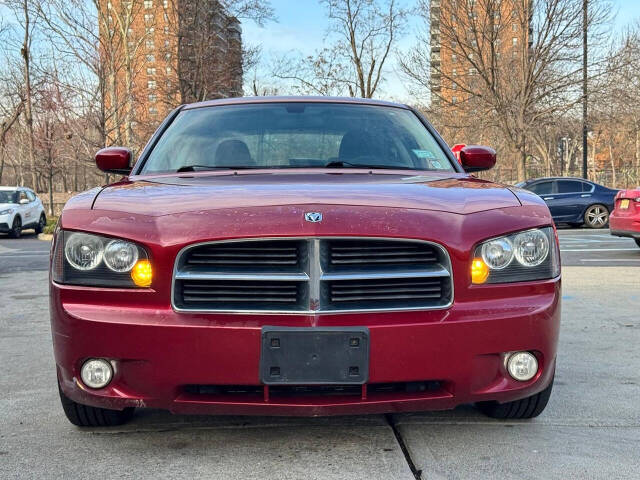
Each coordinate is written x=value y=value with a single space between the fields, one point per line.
x=20 y=208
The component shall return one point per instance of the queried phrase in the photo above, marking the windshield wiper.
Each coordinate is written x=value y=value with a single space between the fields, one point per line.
x=342 y=163
x=193 y=168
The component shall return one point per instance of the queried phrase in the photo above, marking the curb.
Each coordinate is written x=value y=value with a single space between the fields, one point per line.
x=45 y=237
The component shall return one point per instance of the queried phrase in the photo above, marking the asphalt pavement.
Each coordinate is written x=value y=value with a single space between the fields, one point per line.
x=590 y=429
x=594 y=248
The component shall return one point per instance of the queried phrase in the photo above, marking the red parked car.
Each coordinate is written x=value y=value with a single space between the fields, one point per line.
x=625 y=218
x=302 y=256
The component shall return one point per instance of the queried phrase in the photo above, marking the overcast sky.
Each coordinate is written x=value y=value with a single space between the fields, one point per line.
x=302 y=26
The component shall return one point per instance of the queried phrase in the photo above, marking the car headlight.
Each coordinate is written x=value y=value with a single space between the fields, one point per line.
x=523 y=256
x=98 y=261
x=7 y=211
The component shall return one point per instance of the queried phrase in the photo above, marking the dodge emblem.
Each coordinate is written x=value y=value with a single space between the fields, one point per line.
x=313 y=217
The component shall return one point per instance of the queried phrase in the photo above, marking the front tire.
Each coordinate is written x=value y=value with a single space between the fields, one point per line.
x=596 y=216
x=529 y=407
x=16 y=227
x=86 y=416
x=41 y=224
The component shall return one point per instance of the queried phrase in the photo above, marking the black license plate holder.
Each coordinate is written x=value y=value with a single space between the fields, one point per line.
x=314 y=355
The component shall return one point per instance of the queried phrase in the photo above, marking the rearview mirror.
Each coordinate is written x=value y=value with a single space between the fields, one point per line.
x=474 y=158
x=114 y=160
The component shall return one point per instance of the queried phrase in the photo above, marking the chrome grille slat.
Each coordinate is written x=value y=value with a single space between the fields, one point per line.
x=351 y=252
x=312 y=275
x=271 y=253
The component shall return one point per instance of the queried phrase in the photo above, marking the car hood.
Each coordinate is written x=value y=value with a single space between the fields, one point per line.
x=166 y=195
x=4 y=206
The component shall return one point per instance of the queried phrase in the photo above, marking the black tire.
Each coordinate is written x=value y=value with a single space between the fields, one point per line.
x=86 y=416
x=41 y=224
x=529 y=407
x=16 y=228
x=596 y=216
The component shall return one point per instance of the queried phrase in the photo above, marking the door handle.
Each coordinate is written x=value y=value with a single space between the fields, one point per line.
x=547 y=198
x=585 y=195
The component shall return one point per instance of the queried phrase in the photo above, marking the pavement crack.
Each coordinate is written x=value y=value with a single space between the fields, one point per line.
x=405 y=451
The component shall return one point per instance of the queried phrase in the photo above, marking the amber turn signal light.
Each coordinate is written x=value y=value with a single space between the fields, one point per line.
x=142 y=273
x=479 y=271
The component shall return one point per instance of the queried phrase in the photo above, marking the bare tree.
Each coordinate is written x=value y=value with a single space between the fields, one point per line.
x=21 y=10
x=518 y=62
x=362 y=35
x=5 y=125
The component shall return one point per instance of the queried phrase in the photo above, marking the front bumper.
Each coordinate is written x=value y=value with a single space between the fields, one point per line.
x=5 y=223
x=159 y=353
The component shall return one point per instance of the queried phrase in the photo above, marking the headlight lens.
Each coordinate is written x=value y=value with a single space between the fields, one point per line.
x=498 y=253
x=93 y=260
x=120 y=256
x=532 y=247
x=8 y=211
x=83 y=252
x=523 y=256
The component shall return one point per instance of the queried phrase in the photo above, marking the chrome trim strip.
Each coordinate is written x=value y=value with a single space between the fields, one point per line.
x=316 y=267
x=432 y=273
x=262 y=277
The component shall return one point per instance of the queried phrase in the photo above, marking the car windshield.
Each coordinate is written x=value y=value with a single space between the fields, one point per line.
x=8 y=196
x=296 y=135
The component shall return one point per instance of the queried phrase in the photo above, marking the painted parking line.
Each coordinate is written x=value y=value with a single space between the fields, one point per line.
x=610 y=260
x=599 y=249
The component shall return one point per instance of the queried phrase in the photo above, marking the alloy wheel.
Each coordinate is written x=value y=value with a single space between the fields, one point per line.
x=596 y=216
x=16 y=228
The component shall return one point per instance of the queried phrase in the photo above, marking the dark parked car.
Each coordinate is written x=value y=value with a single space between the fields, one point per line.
x=574 y=200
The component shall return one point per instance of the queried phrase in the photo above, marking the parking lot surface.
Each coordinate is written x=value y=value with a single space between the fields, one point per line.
x=590 y=429
x=583 y=246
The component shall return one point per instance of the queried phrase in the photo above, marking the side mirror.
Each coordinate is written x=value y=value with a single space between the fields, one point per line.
x=23 y=201
x=474 y=158
x=114 y=160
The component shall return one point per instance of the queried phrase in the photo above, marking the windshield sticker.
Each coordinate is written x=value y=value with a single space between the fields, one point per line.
x=424 y=154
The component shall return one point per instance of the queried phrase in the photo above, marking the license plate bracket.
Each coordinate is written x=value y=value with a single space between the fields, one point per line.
x=314 y=356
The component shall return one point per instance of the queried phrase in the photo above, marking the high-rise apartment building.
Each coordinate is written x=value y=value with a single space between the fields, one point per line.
x=158 y=54
x=472 y=37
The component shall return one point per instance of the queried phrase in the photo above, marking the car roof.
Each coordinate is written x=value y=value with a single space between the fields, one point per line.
x=17 y=188
x=558 y=178
x=291 y=99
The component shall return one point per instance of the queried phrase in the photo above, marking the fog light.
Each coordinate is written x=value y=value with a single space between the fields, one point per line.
x=96 y=373
x=522 y=366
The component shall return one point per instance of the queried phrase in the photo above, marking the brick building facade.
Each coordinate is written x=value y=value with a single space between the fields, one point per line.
x=468 y=33
x=158 y=54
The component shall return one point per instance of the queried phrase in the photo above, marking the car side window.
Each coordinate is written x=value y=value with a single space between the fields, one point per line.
x=31 y=196
x=586 y=187
x=542 y=188
x=569 y=186
x=23 y=196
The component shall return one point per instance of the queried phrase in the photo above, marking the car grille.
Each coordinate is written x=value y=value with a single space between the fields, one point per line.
x=312 y=275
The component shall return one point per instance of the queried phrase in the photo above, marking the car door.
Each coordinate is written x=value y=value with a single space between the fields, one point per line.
x=545 y=189
x=570 y=200
x=24 y=208
x=34 y=206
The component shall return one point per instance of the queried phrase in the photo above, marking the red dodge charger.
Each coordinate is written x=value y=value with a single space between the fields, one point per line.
x=302 y=256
